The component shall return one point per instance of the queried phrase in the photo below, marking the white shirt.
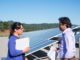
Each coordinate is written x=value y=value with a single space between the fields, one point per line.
x=67 y=46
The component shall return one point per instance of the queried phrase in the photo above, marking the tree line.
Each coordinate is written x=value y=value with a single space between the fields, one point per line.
x=28 y=27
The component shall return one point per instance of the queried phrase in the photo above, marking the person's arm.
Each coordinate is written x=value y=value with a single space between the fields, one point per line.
x=68 y=42
x=12 y=49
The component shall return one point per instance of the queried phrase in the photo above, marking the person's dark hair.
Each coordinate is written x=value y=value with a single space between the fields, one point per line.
x=65 y=20
x=15 y=25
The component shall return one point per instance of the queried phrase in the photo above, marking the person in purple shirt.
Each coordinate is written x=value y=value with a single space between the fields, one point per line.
x=13 y=54
x=67 y=43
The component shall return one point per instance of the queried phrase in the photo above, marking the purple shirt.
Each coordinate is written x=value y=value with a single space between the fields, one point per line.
x=67 y=46
x=13 y=54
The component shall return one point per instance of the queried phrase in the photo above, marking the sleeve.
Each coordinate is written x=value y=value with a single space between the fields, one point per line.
x=68 y=43
x=12 y=50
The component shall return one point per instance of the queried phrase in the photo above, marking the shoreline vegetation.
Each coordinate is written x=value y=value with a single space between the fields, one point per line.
x=4 y=35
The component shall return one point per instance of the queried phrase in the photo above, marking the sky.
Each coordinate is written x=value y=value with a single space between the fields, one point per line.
x=39 y=11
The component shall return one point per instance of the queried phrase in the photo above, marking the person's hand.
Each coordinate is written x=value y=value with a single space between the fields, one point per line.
x=27 y=49
x=56 y=38
x=55 y=49
x=59 y=38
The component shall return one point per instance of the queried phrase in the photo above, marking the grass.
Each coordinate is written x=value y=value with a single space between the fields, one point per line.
x=4 y=34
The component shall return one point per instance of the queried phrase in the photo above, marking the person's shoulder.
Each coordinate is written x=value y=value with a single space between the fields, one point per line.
x=12 y=37
x=69 y=33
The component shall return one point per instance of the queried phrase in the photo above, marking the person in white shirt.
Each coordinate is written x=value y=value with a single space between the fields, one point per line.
x=67 y=43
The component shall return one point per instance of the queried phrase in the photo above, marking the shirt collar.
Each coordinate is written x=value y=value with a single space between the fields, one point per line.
x=68 y=29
